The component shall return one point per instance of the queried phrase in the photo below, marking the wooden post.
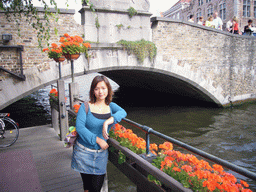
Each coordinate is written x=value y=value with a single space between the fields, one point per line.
x=55 y=120
x=73 y=93
x=63 y=114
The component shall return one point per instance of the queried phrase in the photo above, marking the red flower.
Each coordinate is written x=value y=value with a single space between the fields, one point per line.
x=53 y=91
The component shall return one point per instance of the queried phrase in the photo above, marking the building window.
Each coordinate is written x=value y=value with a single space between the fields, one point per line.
x=207 y=1
x=223 y=10
x=200 y=2
x=178 y=15
x=209 y=10
x=246 y=8
x=198 y=14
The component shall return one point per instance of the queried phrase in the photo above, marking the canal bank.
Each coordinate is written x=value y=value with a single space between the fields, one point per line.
x=226 y=133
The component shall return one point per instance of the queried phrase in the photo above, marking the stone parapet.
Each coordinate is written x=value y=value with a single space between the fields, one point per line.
x=108 y=25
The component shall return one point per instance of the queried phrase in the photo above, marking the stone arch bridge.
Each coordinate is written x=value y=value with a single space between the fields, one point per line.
x=192 y=60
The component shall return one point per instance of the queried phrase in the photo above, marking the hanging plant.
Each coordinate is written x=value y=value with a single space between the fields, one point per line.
x=141 y=49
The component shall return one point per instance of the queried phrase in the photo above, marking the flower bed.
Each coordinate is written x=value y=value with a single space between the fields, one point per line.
x=193 y=173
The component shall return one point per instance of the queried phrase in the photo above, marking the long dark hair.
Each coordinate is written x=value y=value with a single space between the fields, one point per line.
x=95 y=81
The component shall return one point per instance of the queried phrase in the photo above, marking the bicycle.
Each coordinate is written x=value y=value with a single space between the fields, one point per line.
x=9 y=130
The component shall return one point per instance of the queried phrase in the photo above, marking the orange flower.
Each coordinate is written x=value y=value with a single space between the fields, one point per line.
x=76 y=107
x=62 y=39
x=54 y=45
x=45 y=49
x=166 y=146
x=186 y=168
x=218 y=168
x=244 y=183
x=87 y=45
x=210 y=185
x=176 y=169
x=66 y=35
x=53 y=91
x=153 y=146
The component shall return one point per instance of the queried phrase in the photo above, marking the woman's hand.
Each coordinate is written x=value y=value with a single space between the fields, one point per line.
x=105 y=131
x=105 y=127
x=103 y=144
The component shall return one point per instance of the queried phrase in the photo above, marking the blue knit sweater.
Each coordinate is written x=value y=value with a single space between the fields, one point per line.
x=89 y=127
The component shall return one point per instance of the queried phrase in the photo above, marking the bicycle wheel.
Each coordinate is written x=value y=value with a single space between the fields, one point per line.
x=9 y=132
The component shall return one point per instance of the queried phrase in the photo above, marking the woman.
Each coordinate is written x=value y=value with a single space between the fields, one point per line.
x=209 y=22
x=235 y=26
x=90 y=154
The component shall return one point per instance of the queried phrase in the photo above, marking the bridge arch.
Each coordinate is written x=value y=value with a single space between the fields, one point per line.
x=160 y=81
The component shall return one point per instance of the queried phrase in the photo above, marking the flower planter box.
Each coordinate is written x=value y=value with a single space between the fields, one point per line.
x=137 y=169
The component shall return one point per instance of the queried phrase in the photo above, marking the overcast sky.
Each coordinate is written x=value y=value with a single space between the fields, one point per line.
x=156 y=6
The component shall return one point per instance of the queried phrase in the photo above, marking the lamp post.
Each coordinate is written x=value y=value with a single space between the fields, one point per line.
x=59 y=60
x=71 y=58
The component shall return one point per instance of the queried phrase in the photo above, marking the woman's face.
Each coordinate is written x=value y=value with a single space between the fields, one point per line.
x=101 y=91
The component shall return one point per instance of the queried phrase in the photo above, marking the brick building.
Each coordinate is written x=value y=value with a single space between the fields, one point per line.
x=227 y=9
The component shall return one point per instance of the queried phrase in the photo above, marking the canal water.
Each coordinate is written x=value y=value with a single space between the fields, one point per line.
x=226 y=133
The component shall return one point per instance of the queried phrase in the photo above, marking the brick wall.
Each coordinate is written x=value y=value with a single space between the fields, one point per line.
x=32 y=56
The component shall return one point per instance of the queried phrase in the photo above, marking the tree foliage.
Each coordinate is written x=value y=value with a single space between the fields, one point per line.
x=17 y=9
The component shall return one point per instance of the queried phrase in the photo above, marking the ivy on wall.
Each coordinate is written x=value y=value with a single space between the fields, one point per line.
x=141 y=49
x=132 y=12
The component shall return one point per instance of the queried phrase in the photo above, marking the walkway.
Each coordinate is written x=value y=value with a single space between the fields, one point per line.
x=51 y=159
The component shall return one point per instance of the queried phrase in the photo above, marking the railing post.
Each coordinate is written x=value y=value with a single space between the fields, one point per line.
x=55 y=120
x=63 y=114
x=73 y=93
x=148 y=156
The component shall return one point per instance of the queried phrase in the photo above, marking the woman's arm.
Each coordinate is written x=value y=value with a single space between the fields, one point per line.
x=108 y=122
x=118 y=114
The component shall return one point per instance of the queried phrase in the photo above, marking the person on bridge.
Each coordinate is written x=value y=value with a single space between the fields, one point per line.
x=217 y=21
x=235 y=26
x=94 y=119
x=209 y=22
x=248 y=28
x=191 y=18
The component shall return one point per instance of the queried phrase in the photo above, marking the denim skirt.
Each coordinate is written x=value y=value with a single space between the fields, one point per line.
x=89 y=162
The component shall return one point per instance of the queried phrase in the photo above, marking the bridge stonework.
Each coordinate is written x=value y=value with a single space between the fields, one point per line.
x=217 y=66
x=220 y=63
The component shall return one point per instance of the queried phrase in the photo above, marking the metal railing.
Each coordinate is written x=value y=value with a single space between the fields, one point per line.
x=208 y=156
